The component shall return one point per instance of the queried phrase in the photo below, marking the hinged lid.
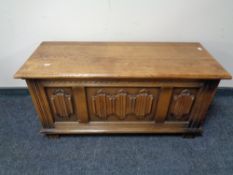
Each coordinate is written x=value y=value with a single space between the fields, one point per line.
x=121 y=60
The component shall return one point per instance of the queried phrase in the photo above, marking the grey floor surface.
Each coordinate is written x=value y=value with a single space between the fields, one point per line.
x=23 y=150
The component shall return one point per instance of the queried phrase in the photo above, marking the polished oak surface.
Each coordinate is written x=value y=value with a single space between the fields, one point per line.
x=121 y=60
x=90 y=87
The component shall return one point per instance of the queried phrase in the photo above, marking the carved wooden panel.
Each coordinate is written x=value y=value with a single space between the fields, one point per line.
x=122 y=103
x=61 y=103
x=181 y=104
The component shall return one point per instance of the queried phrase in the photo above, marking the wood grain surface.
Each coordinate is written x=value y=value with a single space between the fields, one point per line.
x=121 y=60
x=102 y=87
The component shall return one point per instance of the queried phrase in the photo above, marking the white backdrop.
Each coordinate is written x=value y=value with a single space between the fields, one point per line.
x=25 y=23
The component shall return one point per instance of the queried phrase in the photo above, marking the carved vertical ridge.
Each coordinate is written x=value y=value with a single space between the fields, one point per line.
x=110 y=105
x=182 y=104
x=70 y=104
x=132 y=104
x=143 y=104
x=61 y=103
x=149 y=104
x=121 y=104
x=93 y=102
x=40 y=102
x=204 y=98
x=53 y=105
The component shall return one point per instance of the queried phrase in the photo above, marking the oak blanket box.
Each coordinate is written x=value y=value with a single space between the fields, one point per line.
x=121 y=87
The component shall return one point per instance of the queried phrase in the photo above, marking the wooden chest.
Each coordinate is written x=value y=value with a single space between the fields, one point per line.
x=102 y=87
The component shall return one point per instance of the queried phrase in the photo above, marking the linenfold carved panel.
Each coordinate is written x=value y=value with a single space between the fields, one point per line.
x=121 y=104
x=61 y=103
x=182 y=104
